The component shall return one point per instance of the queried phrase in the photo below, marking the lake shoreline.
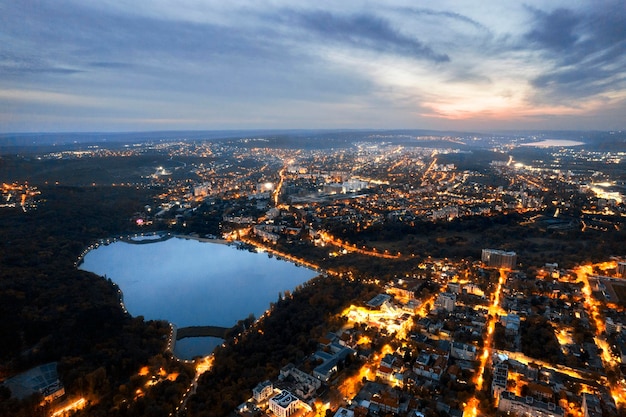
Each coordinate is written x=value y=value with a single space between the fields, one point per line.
x=185 y=283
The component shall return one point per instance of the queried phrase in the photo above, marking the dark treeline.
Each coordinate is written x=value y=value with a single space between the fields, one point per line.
x=535 y=243
x=51 y=311
x=83 y=172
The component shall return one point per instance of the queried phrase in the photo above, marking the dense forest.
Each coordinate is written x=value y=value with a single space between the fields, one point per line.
x=463 y=238
x=51 y=311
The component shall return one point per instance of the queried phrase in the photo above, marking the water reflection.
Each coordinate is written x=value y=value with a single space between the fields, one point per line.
x=192 y=283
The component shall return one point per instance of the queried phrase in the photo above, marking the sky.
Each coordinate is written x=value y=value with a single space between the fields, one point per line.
x=134 y=65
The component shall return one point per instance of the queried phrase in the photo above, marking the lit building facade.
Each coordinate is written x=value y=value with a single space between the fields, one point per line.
x=262 y=391
x=284 y=404
x=499 y=258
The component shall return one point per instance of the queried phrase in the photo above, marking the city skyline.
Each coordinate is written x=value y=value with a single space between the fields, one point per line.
x=113 y=66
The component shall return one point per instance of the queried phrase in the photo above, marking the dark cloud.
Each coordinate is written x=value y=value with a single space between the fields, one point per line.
x=585 y=50
x=148 y=57
x=364 y=31
x=579 y=82
x=80 y=36
x=211 y=58
x=556 y=30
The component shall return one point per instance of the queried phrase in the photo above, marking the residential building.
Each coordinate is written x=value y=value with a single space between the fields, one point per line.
x=463 y=351
x=402 y=293
x=266 y=235
x=445 y=301
x=499 y=259
x=528 y=406
x=540 y=390
x=454 y=287
x=331 y=361
x=500 y=378
x=511 y=323
x=431 y=363
x=385 y=401
x=304 y=385
x=284 y=404
x=344 y=412
x=262 y=391
x=473 y=289
x=201 y=190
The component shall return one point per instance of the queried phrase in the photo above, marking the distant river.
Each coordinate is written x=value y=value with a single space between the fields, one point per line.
x=193 y=283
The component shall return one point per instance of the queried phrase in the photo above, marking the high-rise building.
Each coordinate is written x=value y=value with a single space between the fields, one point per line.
x=499 y=258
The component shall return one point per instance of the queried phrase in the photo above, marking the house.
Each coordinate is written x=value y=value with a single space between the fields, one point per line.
x=384 y=372
x=463 y=351
x=344 y=412
x=386 y=402
x=431 y=363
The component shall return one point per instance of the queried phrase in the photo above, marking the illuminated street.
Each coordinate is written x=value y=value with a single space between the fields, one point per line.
x=273 y=251
x=495 y=310
x=67 y=409
x=202 y=365
x=593 y=307
x=276 y=193
x=329 y=239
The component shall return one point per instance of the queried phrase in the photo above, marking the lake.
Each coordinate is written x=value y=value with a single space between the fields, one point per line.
x=193 y=283
x=547 y=143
